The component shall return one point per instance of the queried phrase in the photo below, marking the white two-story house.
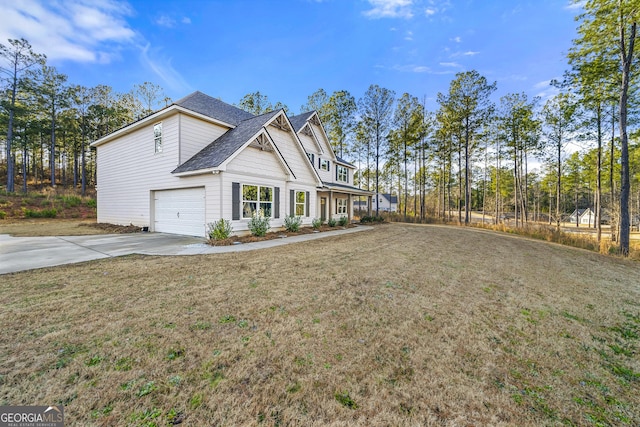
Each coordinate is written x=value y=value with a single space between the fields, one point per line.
x=199 y=160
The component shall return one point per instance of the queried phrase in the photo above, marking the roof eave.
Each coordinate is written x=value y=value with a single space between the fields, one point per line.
x=165 y=112
x=214 y=171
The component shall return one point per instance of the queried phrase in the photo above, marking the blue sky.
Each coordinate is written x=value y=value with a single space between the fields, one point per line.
x=287 y=49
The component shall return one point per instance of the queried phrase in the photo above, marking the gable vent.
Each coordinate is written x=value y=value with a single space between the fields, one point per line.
x=262 y=143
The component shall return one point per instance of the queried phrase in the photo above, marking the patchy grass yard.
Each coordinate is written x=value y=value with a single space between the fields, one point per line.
x=400 y=325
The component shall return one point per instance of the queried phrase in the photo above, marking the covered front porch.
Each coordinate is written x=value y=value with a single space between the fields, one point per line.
x=336 y=201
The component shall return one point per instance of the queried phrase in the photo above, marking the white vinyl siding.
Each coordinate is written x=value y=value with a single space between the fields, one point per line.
x=195 y=134
x=247 y=161
x=294 y=154
x=128 y=172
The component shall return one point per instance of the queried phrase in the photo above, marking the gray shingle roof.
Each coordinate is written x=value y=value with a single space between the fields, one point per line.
x=212 y=107
x=298 y=121
x=214 y=154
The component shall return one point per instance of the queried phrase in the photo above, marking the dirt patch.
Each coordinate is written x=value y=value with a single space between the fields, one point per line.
x=113 y=228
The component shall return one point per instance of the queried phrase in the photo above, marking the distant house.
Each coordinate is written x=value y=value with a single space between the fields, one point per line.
x=583 y=217
x=200 y=160
x=386 y=203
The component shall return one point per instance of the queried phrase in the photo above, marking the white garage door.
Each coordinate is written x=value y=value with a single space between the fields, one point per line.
x=180 y=211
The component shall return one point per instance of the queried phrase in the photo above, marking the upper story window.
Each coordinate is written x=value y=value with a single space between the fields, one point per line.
x=310 y=156
x=324 y=164
x=157 y=137
x=256 y=197
x=342 y=174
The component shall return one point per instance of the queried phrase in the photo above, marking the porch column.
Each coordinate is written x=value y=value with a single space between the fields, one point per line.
x=349 y=208
x=369 y=204
x=330 y=205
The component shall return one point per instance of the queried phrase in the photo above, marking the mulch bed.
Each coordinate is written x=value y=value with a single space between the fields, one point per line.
x=273 y=235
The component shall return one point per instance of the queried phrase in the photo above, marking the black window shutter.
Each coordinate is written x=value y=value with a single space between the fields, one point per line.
x=337 y=168
x=319 y=162
x=306 y=199
x=276 y=202
x=235 y=200
x=292 y=203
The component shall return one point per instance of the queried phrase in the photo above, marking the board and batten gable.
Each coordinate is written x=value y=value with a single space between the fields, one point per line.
x=291 y=150
x=196 y=134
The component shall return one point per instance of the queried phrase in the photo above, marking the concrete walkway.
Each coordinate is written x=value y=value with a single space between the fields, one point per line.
x=26 y=253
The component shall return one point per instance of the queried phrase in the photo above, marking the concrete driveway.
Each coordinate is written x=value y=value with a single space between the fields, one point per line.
x=26 y=253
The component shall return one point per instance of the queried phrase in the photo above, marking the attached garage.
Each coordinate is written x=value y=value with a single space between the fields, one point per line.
x=180 y=211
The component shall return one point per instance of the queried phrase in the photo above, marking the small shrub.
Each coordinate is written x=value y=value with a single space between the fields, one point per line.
x=332 y=222
x=292 y=223
x=343 y=221
x=3 y=214
x=92 y=203
x=71 y=201
x=219 y=230
x=345 y=400
x=259 y=224
x=316 y=223
x=44 y=213
x=371 y=218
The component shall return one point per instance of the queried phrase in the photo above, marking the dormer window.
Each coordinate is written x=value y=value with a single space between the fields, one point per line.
x=342 y=174
x=311 y=157
x=324 y=164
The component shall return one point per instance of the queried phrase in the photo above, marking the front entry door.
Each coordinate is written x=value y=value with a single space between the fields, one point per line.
x=323 y=209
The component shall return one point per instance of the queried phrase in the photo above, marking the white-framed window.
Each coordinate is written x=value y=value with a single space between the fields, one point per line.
x=301 y=203
x=256 y=197
x=157 y=137
x=342 y=174
x=324 y=164
x=341 y=206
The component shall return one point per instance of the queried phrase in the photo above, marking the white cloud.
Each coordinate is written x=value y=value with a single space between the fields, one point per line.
x=161 y=66
x=186 y=20
x=409 y=36
x=470 y=53
x=457 y=39
x=430 y=11
x=77 y=30
x=450 y=64
x=389 y=9
x=166 y=21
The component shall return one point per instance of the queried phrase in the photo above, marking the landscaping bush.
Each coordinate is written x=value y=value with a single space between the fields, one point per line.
x=332 y=222
x=316 y=223
x=259 y=224
x=371 y=218
x=292 y=223
x=3 y=214
x=44 y=213
x=219 y=230
x=71 y=201
x=343 y=221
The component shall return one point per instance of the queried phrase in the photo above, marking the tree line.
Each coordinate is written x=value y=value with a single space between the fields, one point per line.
x=514 y=158
x=50 y=122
